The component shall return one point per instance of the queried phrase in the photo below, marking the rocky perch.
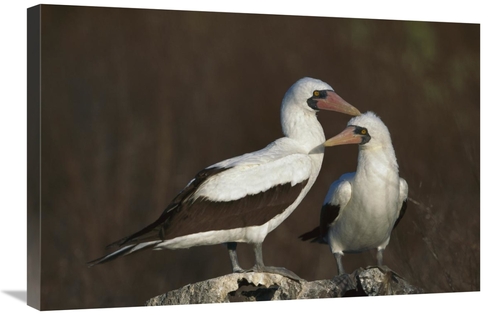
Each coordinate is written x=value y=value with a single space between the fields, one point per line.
x=239 y=287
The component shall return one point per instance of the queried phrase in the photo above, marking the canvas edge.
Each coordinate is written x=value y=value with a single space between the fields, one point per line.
x=33 y=156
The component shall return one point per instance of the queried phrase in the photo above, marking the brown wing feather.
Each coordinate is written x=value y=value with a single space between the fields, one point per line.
x=185 y=216
x=252 y=210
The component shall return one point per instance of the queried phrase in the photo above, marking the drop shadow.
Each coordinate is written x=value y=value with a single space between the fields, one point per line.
x=18 y=294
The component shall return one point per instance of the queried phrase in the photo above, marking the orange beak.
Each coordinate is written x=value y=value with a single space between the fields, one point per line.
x=348 y=136
x=336 y=103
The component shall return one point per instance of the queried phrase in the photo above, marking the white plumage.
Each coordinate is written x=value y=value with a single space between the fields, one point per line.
x=244 y=198
x=282 y=161
x=362 y=208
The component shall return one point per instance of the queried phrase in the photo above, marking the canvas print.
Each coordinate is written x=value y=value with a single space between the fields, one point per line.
x=183 y=157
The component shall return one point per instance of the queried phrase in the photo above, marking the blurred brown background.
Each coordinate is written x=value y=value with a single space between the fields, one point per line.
x=136 y=102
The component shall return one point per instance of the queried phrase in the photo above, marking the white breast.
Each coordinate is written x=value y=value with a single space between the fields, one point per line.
x=366 y=221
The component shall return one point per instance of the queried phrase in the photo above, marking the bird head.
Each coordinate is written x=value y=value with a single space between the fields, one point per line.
x=314 y=95
x=366 y=130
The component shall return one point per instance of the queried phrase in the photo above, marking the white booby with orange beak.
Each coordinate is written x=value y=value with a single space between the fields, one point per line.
x=362 y=208
x=242 y=199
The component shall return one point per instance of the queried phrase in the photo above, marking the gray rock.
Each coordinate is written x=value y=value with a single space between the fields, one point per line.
x=239 y=287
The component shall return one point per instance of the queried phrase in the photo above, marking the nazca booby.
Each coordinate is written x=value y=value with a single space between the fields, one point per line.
x=244 y=198
x=362 y=208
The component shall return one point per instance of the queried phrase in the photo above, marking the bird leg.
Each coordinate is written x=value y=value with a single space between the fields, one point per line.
x=380 y=257
x=389 y=275
x=260 y=267
x=340 y=267
x=231 y=247
x=381 y=266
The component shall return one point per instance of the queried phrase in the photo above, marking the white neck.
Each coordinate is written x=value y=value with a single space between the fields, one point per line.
x=302 y=126
x=378 y=163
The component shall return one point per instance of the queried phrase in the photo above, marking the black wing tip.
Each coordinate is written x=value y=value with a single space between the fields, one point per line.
x=117 y=244
x=94 y=262
x=91 y=264
x=110 y=256
x=107 y=258
x=129 y=249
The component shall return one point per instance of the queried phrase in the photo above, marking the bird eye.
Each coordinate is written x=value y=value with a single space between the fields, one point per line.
x=363 y=131
x=316 y=93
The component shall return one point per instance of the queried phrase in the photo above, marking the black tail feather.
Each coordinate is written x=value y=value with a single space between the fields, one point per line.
x=314 y=236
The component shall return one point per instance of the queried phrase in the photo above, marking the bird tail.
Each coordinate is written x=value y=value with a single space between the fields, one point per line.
x=126 y=250
x=314 y=236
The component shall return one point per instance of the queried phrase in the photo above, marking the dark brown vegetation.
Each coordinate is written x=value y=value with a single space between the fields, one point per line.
x=136 y=102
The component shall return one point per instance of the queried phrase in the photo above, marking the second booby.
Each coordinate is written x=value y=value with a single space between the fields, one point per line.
x=362 y=208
